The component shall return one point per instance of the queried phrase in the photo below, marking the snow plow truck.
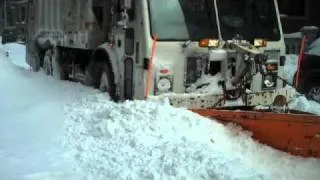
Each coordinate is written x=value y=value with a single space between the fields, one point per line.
x=133 y=49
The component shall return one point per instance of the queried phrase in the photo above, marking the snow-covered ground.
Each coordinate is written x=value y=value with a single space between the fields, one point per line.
x=152 y=140
x=16 y=53
x=62 y=130
x=31 y=109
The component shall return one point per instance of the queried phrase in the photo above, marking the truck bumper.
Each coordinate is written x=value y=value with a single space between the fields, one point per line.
x=205 y=101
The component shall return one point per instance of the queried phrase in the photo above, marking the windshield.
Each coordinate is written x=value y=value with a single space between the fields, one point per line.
x=183 y=19
x=249 y=18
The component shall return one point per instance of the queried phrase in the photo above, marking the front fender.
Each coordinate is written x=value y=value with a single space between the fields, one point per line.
x=114 y=60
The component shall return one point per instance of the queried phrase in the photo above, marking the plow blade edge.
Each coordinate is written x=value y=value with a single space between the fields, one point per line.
x=297 y=134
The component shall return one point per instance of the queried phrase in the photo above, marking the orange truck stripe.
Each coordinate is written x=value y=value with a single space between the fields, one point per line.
x=300 y=59
x=150 y=65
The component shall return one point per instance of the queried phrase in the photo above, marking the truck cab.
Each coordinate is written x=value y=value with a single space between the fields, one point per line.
x=179 y=25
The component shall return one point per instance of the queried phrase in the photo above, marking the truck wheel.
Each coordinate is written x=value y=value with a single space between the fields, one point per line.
x=33 y=56
x=313 y=92
x=51 y=65
x=106 y=82
x=100 y=76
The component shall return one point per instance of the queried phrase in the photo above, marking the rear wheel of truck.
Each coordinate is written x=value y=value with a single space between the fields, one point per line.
x=33 y=56
x=51 y=65
x=106 y=81
x=100 y=75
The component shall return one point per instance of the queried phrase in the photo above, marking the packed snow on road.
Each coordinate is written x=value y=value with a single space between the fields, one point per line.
x=57 y=130
x=31 y=111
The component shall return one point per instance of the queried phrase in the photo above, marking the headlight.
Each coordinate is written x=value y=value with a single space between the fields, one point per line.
x=164 y=85
x=260 y=43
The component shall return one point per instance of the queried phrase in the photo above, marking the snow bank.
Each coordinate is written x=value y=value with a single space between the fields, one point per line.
x=17 y=54
x=152 y=140
x=290 y=67
x=301 y=103
x=31 y=109
x=305 y=105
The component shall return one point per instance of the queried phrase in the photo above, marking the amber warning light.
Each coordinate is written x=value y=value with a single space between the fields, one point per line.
x=209 y=43
x=260 y=43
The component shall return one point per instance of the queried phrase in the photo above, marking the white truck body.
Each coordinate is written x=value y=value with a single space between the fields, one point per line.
x=86 y=30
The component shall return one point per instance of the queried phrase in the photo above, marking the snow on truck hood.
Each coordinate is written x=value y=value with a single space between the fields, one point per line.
x=207 y=84
x=153 y=140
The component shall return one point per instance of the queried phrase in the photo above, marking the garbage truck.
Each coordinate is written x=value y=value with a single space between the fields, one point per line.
x=108 y=44
x=135 y=48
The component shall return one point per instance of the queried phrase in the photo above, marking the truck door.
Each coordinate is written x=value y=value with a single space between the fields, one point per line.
x=128 y=63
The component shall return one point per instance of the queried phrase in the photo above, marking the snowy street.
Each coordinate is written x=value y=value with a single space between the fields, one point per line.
x=58 y=130
x=31 y=120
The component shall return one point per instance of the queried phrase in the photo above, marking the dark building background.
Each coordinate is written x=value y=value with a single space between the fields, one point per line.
x=1 y=15
x=298 y=13
x=15 y=13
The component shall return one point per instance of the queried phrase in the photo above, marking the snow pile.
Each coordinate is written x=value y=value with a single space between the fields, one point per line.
x=17 y=54
x=31 y=109
x=290 y=67
x=301 y=103
x=207 y=84
x=152 y=140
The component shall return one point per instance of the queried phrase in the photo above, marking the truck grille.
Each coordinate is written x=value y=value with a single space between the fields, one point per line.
x=194 y=69
x=273 y=54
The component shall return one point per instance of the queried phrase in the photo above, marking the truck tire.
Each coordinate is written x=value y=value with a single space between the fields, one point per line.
x=100 y=76
x=106 y=81
x=33 y=56
x=3 y=41
x=52 y=66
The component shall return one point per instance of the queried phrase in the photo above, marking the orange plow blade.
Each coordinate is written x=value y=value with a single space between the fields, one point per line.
x=297 y=134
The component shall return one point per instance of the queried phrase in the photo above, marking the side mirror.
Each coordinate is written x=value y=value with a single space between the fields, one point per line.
x=124 y=19
x=126 y=7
